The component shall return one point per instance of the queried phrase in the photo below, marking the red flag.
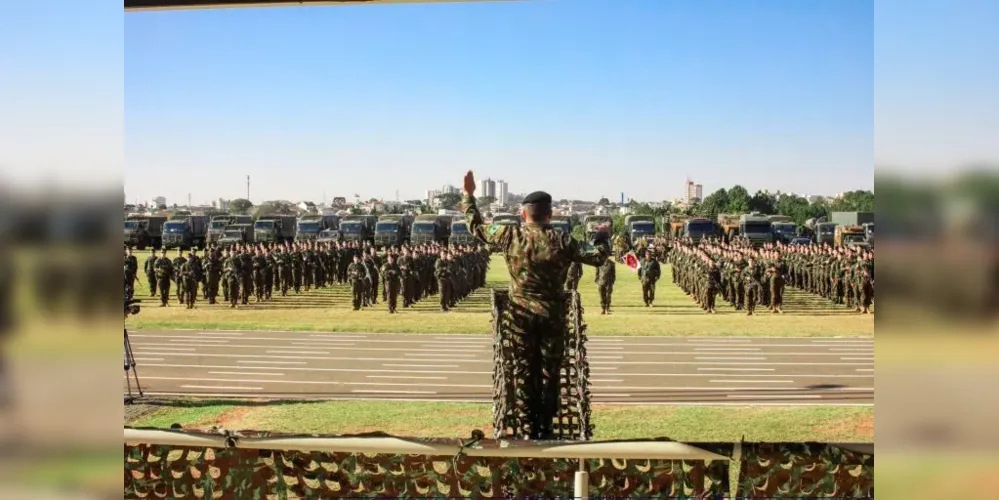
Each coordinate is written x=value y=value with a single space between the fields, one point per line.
x=631 y=260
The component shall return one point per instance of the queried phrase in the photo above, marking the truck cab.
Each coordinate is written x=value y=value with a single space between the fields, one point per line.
x=430 y=228
x=785 y=231
x=328 y=236
x=309 y=226
x=562 y=223
x=698 y=228
x=393 y=230
x=850 y=236
x=825 y=232
x=185 y=231
x=602 y=225
x=236 y=234
x=143 y=231
x=756 y=228
x=460 y=235
x=869 y=233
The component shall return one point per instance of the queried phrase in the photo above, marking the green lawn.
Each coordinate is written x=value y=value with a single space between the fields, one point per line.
x=674 y=313
x=683 y=423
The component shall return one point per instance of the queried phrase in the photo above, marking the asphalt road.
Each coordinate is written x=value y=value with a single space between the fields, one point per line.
x=635 y=370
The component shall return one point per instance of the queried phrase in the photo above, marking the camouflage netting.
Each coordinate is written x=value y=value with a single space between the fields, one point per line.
x=813 y=470
x=511 y=418
x=153 y=471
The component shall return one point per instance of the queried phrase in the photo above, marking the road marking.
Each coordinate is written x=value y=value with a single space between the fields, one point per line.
x=364 y=391
x=612 y=395
x=736 y=375
x=595 y=381
x=853 y=349
x=250 y=361
x=858 y=359
x=726 y=349
x=406 y=377
x=148 y=359
x=222 y=387
x=768 y=363
x=729 y=381
x=865 y=369
x=200 y=341
x=785 y=396
x=307 y=353
x=419 y=366
x=345 y=370
x=737 y=389
x=604 y=357
x=234 y=335
x=720 y=358
x=318 y=382
x=335 y=336
x=718 y=341
x=438 y=354
x=247 y=373
x=739 y=369
x=140 y=347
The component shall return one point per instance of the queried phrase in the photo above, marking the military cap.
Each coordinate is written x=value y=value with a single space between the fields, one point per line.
x=538 y=197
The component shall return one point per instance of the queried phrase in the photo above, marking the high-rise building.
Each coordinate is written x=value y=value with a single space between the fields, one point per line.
x=159 y=201
x=693 y=192
x=448 y=189
x=502 y=192
x=487 y=187
x=223 y=204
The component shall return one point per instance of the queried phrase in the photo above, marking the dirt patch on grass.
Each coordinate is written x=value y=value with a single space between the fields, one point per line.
x=135 y=411
x=231 y=419
x=861 y=427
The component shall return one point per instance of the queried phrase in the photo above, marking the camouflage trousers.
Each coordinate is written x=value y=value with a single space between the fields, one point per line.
x=605 y=296
x=247 y=288
x=233 y=291
x=151 y=279
x=648 y=291
x=190 y=291
x=392 y=295
x=373 y=290
x=164 y=288
x=752 y=295
x=213 y=287
x=284 y=279
x=541 y=348
x=258 y=284
x=357 y=292
x=444 y=285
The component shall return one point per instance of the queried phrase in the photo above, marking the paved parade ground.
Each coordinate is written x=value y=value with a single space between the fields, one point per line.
x=632 y=370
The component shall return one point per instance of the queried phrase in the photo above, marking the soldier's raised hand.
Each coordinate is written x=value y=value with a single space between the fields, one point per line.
x=469 y=183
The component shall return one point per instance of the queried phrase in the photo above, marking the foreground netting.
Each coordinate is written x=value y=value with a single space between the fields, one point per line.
x=511 y=380
x=248 y=464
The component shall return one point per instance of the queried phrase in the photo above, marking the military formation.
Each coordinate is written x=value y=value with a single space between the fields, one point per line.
x=747 y=277
x=242 y=273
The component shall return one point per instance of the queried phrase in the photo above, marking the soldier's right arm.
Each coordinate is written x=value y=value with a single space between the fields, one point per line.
x=496 y=235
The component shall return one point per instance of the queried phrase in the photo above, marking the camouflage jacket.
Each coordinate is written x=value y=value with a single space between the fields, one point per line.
x=164 y=268
x=649 y=271
x=356 y=272
x=538 y=258
x=150 y=265
x=607 y=273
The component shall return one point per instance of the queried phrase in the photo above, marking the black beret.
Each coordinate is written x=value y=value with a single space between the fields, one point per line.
x=540 y=197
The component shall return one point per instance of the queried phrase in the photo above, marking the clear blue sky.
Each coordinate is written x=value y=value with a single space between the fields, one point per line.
x=580 y=98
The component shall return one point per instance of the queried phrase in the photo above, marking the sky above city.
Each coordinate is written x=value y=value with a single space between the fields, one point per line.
x=580 y=98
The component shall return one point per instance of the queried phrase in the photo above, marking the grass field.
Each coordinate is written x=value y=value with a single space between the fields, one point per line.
x=674 y=313
x=685 y=423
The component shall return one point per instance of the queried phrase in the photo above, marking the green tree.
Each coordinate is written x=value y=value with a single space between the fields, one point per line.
x=486 y=200
x=603 y=201
x=764 y=203
x=854 y=201
x=714 y=204
x=738 y=200
x=793 y=206
x=449 y=201
x=275 y=207
x=240 y=206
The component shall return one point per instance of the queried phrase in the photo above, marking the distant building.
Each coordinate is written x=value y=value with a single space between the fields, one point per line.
x=159 y=201
x=448 y=189
x=502 y=192
x=307 y=206
x=487 y=187
x=693 y=193
x=222 y=204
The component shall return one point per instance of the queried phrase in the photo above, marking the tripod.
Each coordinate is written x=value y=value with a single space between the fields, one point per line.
x=130 y=367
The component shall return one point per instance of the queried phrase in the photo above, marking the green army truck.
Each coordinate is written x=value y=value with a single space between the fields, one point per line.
x=562 y=223
x=825 y=232
x=850 y=236
x=309 y=226
x=506 y=219
x=676 y=224
x=220 y=222
x=358 y=228
x=785 y=229
x=430 y=228
x=143 y=231
x=185 y=232
x=598 y=224
x=869 y=233
x=851 y=218
x=328 y=236
x=393 y=230
x=756 y=228
x=460 y=235
x=274 y=228
x=236 y=234
x=639 y=227
x=698 y=228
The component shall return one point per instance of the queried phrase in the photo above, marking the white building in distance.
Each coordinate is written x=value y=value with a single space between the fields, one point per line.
x=502 y=192
x=159 y=200
x=487 y=187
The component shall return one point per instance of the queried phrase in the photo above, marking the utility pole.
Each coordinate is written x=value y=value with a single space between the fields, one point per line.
x=188 y=201
x=247 y=187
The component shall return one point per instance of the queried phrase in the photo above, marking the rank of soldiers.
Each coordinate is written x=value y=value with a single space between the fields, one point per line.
x=242 y=272
x=746 y=276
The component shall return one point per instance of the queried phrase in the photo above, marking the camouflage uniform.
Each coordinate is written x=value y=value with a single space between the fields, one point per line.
x=391 y=283
x=357 y=275
x=606 y=275
x=164 y=271
x=648 y=274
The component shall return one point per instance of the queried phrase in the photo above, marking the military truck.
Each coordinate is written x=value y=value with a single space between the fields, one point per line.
x=430 y=228
x=309 y=226
x=869 y=232
x=849 y=236
x=825 y=232
x=785 y=231
x=676 y=224
x=185 y=231
x=274 y=228
x=506 y=218
x=358 y=228
x=728 y=226
x=603 y=224
x=236 y=234
x=460 y=235
x=779 y=218
x=562 y=223
x=698 y=228
x=328 y=236
x=143 y=231
x=639 y=226
x=851 y=218
x=220 y=222
x=393 y=230
x=756 y=228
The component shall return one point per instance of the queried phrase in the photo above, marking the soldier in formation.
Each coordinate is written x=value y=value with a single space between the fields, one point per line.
x=164 y=273
x=131 y=272
x=606 y=276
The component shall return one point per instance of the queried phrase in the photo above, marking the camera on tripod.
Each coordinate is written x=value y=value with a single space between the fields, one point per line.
x=131 y=308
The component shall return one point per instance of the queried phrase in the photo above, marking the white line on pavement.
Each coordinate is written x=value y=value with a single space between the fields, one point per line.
x=247 y=373
x=418 y=366
x=297 y=369
x=148 y=359
x=718 y=341
x=406 y=377
x=865 y=369
x=858 y=359
x=365 y=391
x=200 y=341
x=731 y=358
x=250 y=361
x=307 y=353
x=222 y=387
x=784 y=396
x=316 y=382
x=739 y=369
x=730 y=381
x=438 y=354
x=727 y=349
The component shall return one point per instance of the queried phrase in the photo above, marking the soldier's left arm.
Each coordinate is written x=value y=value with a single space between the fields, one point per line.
x=584 y=253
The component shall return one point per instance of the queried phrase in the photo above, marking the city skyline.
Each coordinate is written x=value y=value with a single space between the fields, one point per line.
x=529 y=92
